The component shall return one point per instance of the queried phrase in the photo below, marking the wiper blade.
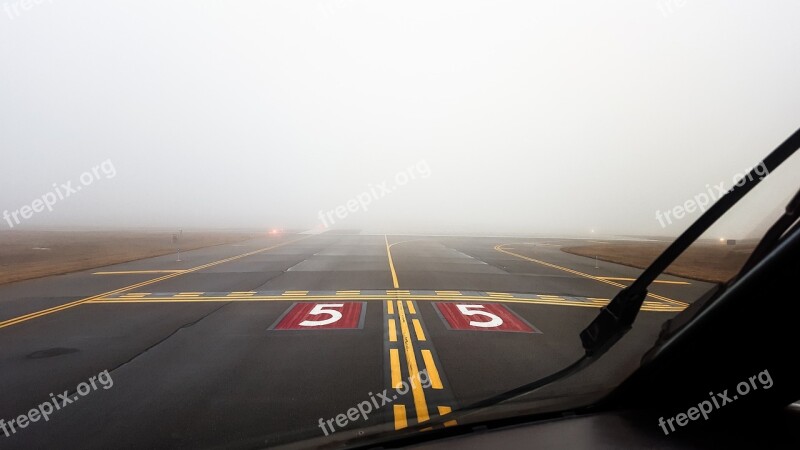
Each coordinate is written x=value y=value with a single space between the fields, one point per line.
x=616 y=318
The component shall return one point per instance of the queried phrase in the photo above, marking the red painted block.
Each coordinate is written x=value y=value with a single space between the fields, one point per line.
x=322 y=316
x=482 y=317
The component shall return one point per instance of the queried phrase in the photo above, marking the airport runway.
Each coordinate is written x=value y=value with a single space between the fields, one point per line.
x=251 y=344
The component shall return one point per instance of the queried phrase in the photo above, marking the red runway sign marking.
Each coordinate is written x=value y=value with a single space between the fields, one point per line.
x=322 y=316
x=482 y=317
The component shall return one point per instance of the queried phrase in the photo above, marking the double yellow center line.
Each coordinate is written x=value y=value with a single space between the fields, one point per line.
x=406 y=319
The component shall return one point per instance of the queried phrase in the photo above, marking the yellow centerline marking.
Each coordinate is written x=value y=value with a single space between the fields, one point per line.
x=389 y=307
x=394 y=359
x=433 y=372
x=391 y=263
x=44 y=312
x=411 y=309
x=400 y=420
x=392 y=331
x=418 y=330
x=499 y=248
x=420 y=404
x=126 y=272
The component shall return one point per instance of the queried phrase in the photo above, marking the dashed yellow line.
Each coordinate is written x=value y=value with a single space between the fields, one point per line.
x=411 y=309
x=392 y=331
x=295 y=293
x=596 y=303
x=433 y=372
x=500 y=248
x=443 y=410
x=390 y=307
x=400 y=420
x=242 y=294
x=394 y=363
x=418 y=330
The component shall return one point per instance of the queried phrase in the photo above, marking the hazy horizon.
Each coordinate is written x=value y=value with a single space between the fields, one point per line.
x=511 y=117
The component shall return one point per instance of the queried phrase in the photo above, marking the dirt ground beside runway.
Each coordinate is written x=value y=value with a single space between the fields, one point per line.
x=706 y=261
x=32 y=254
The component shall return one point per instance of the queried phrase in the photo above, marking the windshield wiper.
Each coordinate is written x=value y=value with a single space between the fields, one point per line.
x=616 y=318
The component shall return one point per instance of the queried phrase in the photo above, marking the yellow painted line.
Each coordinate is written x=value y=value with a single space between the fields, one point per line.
x=500 y=248
x=189 y=294
x=418 y=330
x=499 y=294
x=348 y=292
x=44 y=312
x=392 y=331
x=433 y=372
x=241 y=294
x=126 y=272
x=391 y=263
x=443 y=410
x=394 y=359
x=295 y=293
x=591 y=304
x=420 y=404
x=411 y=309
x=389 y=307
x=136 y=295
x=400 y=420
x=655 y=281
x=448 y=292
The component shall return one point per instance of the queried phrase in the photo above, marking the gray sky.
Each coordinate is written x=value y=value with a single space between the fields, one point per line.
x=528 y=117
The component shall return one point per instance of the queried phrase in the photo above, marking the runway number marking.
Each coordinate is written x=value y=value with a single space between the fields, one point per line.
x=482 y=317
x=322 y=316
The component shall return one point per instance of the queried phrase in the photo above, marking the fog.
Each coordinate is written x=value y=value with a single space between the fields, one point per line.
x=504 y=117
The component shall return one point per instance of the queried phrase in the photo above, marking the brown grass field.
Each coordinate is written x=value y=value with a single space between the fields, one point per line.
x=704 y=261
x=33 y=254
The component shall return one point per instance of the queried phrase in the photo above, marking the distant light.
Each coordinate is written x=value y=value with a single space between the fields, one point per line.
x=722 y=239
x=273 y=231
x=592 y=230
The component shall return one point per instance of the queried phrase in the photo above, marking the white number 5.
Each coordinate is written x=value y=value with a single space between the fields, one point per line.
x=320 y=308
x=470 y=310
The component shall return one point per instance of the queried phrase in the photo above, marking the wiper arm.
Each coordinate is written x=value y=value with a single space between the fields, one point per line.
x=616 y=318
